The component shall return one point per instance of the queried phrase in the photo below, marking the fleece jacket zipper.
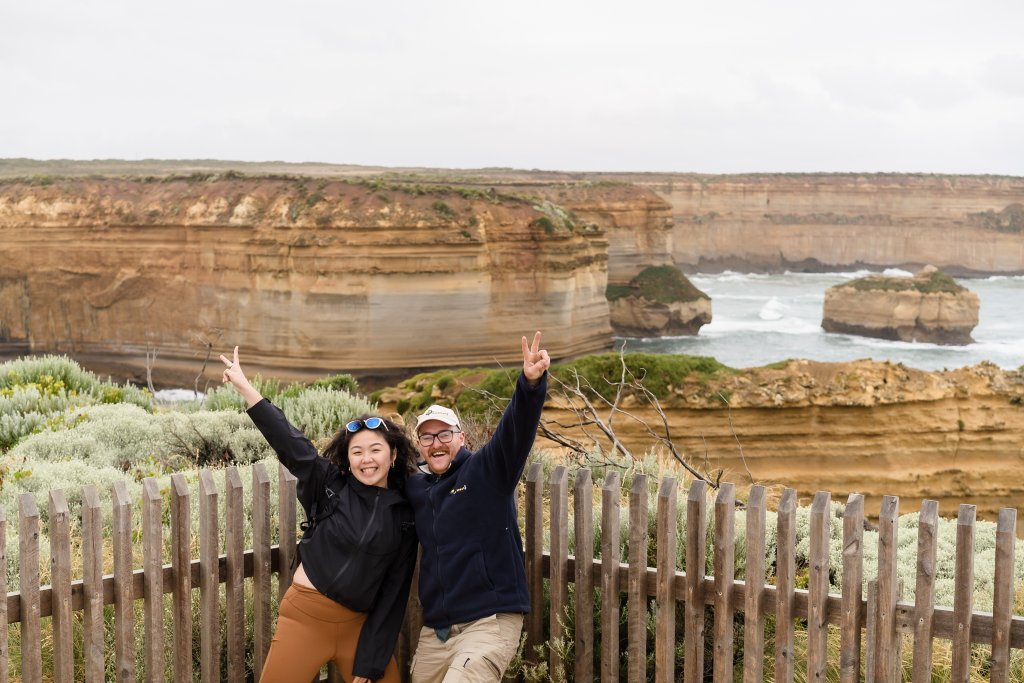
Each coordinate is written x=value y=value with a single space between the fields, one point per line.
x=362 y=539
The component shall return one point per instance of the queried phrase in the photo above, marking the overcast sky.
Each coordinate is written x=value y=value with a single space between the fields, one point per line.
x=631 y=85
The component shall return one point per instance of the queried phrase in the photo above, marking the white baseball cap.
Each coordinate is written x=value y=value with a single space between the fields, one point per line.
x=436 y=412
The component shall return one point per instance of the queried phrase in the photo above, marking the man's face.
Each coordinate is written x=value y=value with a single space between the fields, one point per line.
x=439 y=455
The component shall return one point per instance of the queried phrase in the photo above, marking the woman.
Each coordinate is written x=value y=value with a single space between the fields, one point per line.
x=349 y=592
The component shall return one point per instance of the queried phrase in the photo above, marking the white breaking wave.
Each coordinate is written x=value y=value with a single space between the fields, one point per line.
x=773 y=310
x=897 y=272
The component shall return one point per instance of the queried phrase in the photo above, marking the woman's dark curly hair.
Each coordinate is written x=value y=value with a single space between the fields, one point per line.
x=397 y=439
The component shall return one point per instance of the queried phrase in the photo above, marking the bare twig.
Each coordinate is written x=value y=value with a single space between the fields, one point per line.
x=732 y=431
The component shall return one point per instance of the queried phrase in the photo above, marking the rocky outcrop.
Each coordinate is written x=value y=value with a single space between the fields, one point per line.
x=308 y=276
x=866 y=427
x=929 y=307
x=659 y=302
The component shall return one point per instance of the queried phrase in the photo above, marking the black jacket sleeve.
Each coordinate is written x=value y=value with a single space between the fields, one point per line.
x=380 y=631
x=505 y=454
x=295 y=451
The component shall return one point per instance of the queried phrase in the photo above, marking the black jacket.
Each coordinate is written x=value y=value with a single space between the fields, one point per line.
x=472 y=564
x=361 y=546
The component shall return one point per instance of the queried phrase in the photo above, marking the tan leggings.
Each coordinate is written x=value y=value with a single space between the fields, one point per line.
x=312 y=630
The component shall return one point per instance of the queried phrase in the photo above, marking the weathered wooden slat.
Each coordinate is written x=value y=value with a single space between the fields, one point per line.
x=1002 y=599
x=234 y=595
x=261 y=570
x=5 y=667
x=152 y=562
x=534 y=549
x=636 y=599
x=286 y=518
x=924 y=590
x=611 y=528
x=871 y=633
x=209 y=585
x=583 y=517
x=696 y=556
x=753 y=616
x=60 y=583
x=665 y=602
x=724 y=554
x=558 y=585
x=886 y=635
x=92 y=584
x=785 y=580
x=963 y=593
x=124 y=604
x=852 y=580
x=817 y=621
x=28 y=557
x=181 y=537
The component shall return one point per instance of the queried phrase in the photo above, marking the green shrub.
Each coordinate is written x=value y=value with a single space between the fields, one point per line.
x=665 y=284
x=342 y=382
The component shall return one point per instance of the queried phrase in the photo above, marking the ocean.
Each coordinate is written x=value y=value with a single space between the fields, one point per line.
x=759 y=319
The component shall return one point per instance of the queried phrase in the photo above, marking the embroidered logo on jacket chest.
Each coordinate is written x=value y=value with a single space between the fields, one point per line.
x=458 y=490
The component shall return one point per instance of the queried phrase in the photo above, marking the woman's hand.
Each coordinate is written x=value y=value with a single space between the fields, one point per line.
x=233 y=374
x=535 y=360
x=360 y=679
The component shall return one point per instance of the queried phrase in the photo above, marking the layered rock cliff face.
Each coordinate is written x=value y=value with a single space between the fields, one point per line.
x=842 y=222
x=865 y=427
x=307 y=276
x=929 y=307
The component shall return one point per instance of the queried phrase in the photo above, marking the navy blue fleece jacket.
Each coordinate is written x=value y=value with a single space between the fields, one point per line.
x=472 y=563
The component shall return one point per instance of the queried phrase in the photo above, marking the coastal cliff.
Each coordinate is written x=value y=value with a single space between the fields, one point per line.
x=306 y=275
x=828 y=222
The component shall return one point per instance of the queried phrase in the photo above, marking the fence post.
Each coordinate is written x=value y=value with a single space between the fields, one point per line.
x=785 y=587
x=153 y=580
x=534 y=547
x=5 y=666
x=60 y=582
x=92 y=584
x=753 y=619
x=583 y=505
x=885 y=634
x=234 y=595
x=924 y=590
x=696 y=556
x=1002 y=599
x=852 y=579
x=181 y=559
x=817 y=589
x=261 y=565
x=725 y=574
x=558 y=580
x=124 y=601
x=209 y=578
x=636 y=599
x=28 y=558
x=611 y=494
x=286 y=542
x=963 y=593
x=665 y=599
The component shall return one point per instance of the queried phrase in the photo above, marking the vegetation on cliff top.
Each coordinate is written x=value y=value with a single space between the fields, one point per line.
x=662 y=284
x=936 y=282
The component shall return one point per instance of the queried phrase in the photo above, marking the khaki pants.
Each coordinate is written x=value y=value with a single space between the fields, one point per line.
x=475 y=652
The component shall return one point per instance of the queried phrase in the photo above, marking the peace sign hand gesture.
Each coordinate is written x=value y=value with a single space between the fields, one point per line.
x=233 y=374
x=536 y=360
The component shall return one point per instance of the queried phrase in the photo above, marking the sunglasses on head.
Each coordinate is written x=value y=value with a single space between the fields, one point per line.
x=369 y=423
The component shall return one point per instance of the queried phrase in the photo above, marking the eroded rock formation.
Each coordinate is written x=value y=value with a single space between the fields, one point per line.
x=659 y=301
x=929 y=307
x=306 y=275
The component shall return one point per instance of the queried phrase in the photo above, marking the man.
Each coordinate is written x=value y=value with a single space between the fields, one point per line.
x=472 y=579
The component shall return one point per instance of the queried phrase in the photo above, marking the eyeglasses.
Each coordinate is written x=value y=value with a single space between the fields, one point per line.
x=445 y=436
x=369 y=423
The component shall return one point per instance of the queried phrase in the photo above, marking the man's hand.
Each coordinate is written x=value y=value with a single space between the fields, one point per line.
x=535 y=360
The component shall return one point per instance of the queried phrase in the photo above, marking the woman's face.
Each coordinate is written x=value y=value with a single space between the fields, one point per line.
x=369 y=457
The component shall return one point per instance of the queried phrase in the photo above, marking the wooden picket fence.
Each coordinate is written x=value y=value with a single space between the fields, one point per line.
x=875 y=623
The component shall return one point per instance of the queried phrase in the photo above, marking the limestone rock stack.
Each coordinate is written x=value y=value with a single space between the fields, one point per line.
x=929 y=307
